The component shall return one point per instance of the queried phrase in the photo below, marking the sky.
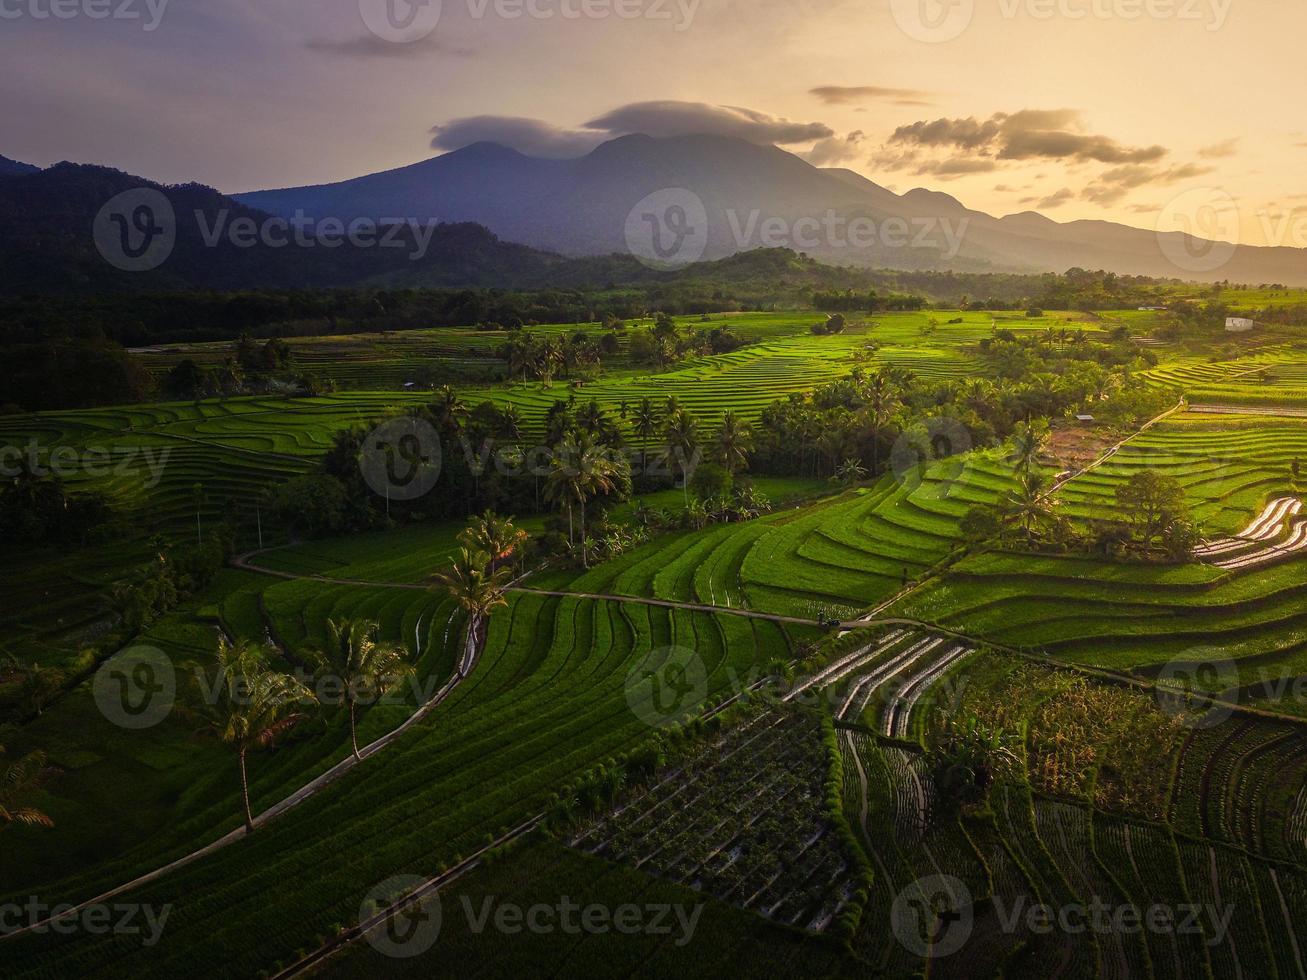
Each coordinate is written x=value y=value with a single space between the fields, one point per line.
x=1125 y=110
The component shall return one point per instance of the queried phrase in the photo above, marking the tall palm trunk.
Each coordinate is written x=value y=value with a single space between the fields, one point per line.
x=245 y=795
x=353 y=729
x=585 y=555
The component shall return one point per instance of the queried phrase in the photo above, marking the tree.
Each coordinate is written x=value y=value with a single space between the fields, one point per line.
x=250 y=707
x=1028 y=442
x=965 y=755
x=365 y=668
x=850 y=471
x=881 y=400
x=683 y=437
x=19 y=782
x=1150 y=501
x=38 y=685
x=646 y=421
x=980 y=524
x=493 y=535
x=471 y=584
x=578 y=473
x=1029 y=502
x=734 y=443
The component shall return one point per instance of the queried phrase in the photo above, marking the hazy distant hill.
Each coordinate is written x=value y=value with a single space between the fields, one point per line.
x=11 y=168
x=580 y=207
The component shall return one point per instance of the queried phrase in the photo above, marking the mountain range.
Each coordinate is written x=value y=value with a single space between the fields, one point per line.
x=514 y=221
x=582 y=206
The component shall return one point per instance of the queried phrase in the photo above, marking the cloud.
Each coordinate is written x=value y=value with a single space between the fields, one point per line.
x=535 y=137
x=834 y=149
x=1217 y=151
x=530 y=136
x=671 y=118
x=957 y=166
x=1055 y=134
x=845 y=94
x=1054 y=200
x=1112 y=185
x=371 y=46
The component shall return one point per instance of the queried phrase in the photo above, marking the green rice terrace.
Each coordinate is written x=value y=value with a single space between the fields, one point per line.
x=936 y=643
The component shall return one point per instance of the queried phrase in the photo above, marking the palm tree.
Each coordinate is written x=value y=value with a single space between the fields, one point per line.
x=882 y=399
x=251 y=706
x=646 y=419
x=496 y=536
x=578 y=473
x=851 y=471
x=1029 y=503
x=18 y=782
x=366 y=668
x=683 y=436
x=448 y=409
x=475 y=588
x=734 y=443
x=1028 y=441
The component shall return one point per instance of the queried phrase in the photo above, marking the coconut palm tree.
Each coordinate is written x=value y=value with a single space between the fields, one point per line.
x=365 y=668
x=881 y=399
x=851 y=471
x=496 y=536
x=476 y=589
x=734 y=443
x=1028 y=442
x=448 y=409
x=646 y=419
x=19 y=781
x=250 y=707
x=683 y=436
x=1029 y=503
x=578 y=473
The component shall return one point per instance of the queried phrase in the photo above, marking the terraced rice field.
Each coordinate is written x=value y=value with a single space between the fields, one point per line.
x=545 y=703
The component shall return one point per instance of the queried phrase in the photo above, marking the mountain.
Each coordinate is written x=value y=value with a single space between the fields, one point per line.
x=48 y=244
x=581 y=207
x=12 y=168
x=48 y=247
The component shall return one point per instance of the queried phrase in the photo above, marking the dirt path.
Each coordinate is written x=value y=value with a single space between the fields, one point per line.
x=244 y=563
